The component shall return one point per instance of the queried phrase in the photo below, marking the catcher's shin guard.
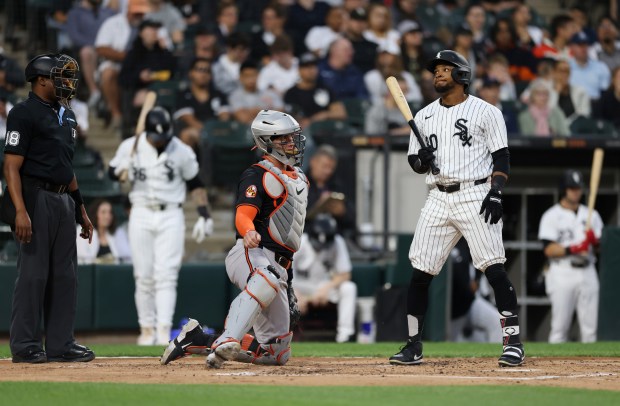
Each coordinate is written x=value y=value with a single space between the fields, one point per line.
x=276 y=352
x=260 y=291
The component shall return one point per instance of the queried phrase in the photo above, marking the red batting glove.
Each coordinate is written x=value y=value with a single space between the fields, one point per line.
x=581 y=247
x=591 y=237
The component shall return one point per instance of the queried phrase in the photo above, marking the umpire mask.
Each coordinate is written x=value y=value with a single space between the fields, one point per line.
x=64 y=75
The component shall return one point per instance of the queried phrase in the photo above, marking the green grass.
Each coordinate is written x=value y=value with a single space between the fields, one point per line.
x=62 y=394
x=431 y=350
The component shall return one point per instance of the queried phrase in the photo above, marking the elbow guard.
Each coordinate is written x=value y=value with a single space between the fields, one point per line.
x=416 y=165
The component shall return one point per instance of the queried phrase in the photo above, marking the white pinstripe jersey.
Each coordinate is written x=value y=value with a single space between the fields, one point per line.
x=464 y=136
x=157 y=179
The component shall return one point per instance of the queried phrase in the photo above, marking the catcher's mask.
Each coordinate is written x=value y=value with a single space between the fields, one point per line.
x=271 y=124
x=64 y=74
x=322 y=232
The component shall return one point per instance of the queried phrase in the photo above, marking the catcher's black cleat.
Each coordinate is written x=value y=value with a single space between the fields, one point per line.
x=513 y=356
x=410 y=354
x=185 y=343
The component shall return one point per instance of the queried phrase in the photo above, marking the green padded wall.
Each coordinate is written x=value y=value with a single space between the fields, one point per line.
x=113 y=300
x=84 y=312
x=8 y=274
x=368 y=277
x=609 y=275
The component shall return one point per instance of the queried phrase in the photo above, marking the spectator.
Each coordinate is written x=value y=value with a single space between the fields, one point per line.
x=544 y=72
x=318 y=38
x=384 y=116
x=539 y=119
x=190 y=11
x=309 y=101
x=146 y=62
x=201 y=101
x=380 y=29
x=338 y=73
x=390 y=65
x=527 y=36
x=109 y=244
x=170 y=18
x=463 y=44
x=404 y=10
x=592 y=75
x=325 y=193
x=607 y=48
x=112 y=42
x=476 y=22
x=364 y=51
x=610 y=100
x=83 y=22
x=498 y=69
x=521 y=62
x=414 y=58
x=226 y=20
x=573 y=100
x=281 y=73
x=488 y=90
x=5 y=107
x=11 y=74
x=561 y=30
x=322 y=273
x=302 y=16
x=580 y=17
x=247 y=101
x=272 y=26
x=205 y=46
x=226 y=69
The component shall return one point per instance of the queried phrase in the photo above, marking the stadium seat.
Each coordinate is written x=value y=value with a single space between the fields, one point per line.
x=323 y=131
x=166 y=93
x=356 y=111
x=94 y=183
x=585 y=126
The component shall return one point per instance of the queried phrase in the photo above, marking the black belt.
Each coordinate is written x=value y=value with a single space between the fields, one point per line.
x=163 y=206
x=455 y=187
x=283 y=261
x=48 y=186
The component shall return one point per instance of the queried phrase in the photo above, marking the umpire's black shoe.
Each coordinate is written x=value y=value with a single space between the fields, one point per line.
x=77 y=353
x=513 y=356
x=31 y=355
x=410 y=354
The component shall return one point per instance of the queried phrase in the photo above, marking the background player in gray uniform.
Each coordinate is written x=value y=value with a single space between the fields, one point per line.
x=160 y=171
x=270 y=213
x=571 y=282
x=466 y=136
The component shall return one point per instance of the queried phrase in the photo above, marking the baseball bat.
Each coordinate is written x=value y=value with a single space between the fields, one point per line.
x=595 y=178
x=149 y=103
x=403 y=106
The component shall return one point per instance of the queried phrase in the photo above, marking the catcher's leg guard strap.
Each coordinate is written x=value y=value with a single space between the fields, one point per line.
x=276 y=352
x=260 y=291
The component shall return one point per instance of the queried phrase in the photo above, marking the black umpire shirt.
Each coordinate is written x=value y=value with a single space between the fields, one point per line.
x=44 y=134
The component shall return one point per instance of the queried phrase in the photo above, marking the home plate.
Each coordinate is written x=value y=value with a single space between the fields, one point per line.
x=244 y=373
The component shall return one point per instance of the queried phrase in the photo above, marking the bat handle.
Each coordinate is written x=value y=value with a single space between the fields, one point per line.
x=434 y=168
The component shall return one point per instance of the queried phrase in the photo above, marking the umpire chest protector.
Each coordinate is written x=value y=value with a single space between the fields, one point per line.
x=286 y=222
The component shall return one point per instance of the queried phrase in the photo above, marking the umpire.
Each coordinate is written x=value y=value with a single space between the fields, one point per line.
x=42 y=203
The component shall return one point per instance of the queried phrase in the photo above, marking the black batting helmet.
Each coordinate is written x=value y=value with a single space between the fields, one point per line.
x=322 y=231
x=461 y=73
x=570 y=179
x=158 y=125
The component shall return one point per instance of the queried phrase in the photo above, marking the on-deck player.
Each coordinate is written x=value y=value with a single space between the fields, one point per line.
x=467 y=137
x=571 y=282
x=161 y=171
x=270 y=213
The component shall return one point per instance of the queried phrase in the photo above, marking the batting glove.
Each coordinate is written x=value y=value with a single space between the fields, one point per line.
x=492 y=207
x=426 y=155
x=591 y=237
x=202 y=228
x=579 y=248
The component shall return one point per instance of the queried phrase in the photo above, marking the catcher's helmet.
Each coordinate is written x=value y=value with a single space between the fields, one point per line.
x=158 y=125
x=570 y=179
x=322 y=231
x=61 y=68
x=269 y=124
x=461 y=73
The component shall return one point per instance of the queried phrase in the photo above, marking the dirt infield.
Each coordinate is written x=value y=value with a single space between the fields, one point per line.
x=586 y=373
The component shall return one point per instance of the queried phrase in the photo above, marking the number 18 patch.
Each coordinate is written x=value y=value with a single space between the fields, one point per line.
x=12 y=138
x=250 y=191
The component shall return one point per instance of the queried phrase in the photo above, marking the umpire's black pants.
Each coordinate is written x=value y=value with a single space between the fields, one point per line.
x=46 y=285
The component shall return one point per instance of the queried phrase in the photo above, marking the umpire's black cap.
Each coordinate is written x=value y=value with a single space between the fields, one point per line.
x=40 y=65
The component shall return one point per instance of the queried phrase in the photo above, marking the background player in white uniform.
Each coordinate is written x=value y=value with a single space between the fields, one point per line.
x=466 y=136
x=160 y=171
x=571 y=282
x=322 y=269
x=270 y=213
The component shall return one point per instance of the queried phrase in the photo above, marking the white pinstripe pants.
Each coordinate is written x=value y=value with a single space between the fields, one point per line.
x=446 y=217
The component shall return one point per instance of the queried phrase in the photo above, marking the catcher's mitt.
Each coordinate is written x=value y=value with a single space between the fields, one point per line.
x=295 y=313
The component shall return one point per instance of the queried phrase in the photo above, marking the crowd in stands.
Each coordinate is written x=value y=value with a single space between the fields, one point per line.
x=227 y=59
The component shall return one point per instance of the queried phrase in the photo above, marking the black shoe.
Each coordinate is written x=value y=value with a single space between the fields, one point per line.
x=513 y=356
x=77 y=353
x=185 y=343
x=410 y=354
x=31 y=355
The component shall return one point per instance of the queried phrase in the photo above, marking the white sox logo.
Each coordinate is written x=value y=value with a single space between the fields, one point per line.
x=463 y=133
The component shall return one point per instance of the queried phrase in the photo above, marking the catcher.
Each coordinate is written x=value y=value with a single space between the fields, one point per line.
x=270 y=214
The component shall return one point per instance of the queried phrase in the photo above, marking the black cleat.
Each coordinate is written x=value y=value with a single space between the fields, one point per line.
x=182 y=345
x=513 y=356
x=410 y=354
x=31 y=355
x=77 y=353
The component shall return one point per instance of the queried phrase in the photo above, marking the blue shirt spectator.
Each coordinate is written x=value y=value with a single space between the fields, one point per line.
x=339 y=75
x=84 y=20
x=592 y=75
